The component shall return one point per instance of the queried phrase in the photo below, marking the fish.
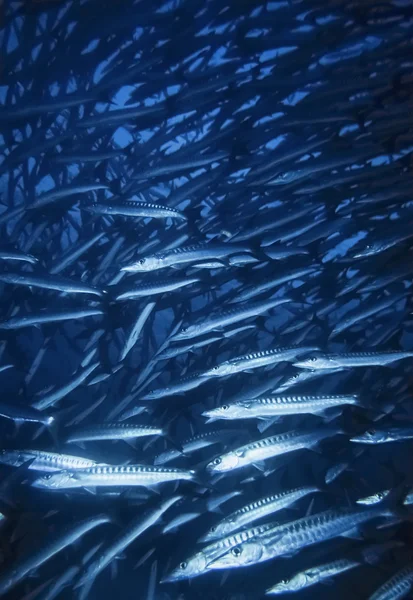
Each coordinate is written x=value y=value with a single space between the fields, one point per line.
x=43 y=460
x=197 y=253
x=131 y=208
x=156 y=287
x=352 y=359
x=47 y=549
x=94 y=476
x=278 y=406
x=123 y=540
x=49 y=283
x=111 y=431
x=218 y=320
x=291 y=537
x=257 y=359
x=383 y=436
x=258 y=509
x=205 y=215
x=269 y=447
x=398 y=586
x=312 y=576
x=36 y=319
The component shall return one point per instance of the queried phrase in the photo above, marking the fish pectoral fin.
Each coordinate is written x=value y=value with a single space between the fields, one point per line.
x=353 y=534
x=266 y=423
x=260 y=465
x=90 y=490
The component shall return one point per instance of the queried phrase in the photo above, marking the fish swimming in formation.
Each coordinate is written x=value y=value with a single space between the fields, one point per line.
x=206 y=215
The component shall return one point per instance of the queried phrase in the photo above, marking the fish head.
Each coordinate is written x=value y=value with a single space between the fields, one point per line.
x=216 y=532
x=225 y=462
x=142 y=265
x=155 y=393
x=242 y=555
x=185 y=333
x=315 y=362
x=54 y=481
x=13 y=458
x=294 y=584
x=219 y=370
x=374 y=498
x=226 y=411
x=368 y=250
x=372 y=436
x=194 y=566
x=283 y=178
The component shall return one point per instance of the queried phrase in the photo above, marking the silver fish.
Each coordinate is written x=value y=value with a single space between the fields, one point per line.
x=111 y=431
x=258 y=359
x=50 y=282
x=184 y=255
x=256 y=510
x=136 y=209
x=352 y=359
x=272 y=406
x=220 y=319
x=130 y=475
x=34 y=319
x=133 y=530
x=269 y=447
x=58 y=542
x=156 y=287
x=312 y=576
x=44 y=461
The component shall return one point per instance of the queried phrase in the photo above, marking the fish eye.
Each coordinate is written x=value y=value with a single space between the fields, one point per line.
x=225 y=407
x=142 y=261
x=183 y=565
x=216 y=461
x=213 y=529
x=236 y=551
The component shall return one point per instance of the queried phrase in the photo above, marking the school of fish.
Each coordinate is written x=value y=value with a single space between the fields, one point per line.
x=206 y=330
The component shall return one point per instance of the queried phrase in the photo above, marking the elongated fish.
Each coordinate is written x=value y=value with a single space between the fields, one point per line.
x=256 y=510
x=353 y=359
x=312 y=576
x=50 y=282
x=133 y=530
x=383 y=436
x=291 y=537
x=197 y=253
x=43 y=460
x=64 y=192
x=49 y=316
x=258 y=359
x=58 y=542
x=136 y=209
x=197 y=564
x=143 y=290
x=130 y=475
x=269 y=447
x=111 y=431
x=21 y=413
x=397 y=587
x=273 y=406
x=220 y=319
